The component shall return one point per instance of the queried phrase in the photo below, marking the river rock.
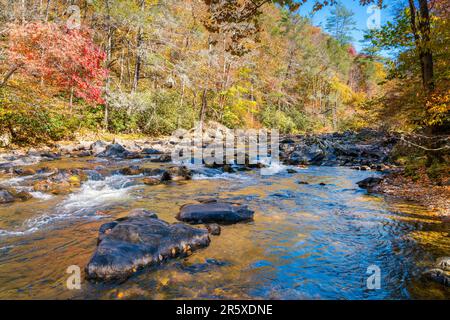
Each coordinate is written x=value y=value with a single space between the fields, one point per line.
x=150 y=151
x=140 y=240
x=150 y=181
x=443 y=263
x=114 y=150
x=213 y=228
x=54 y=187
x=176 y=174
x=215 y=212
x=438 y=275
x=6 y=197
x=131 y=171
x=98 y=147
x=369 y=183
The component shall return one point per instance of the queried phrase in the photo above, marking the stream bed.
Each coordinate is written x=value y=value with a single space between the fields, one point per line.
x=307 y=241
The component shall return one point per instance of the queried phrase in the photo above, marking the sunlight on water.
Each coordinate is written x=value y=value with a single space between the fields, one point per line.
x=307 y=241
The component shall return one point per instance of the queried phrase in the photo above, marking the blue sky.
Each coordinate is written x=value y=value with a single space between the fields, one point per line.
x=361 y=16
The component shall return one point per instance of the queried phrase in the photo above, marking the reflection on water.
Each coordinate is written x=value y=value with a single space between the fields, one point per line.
x=308 y=241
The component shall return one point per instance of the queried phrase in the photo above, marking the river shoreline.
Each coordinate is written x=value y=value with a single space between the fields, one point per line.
x=423 y=191
x=367 y=150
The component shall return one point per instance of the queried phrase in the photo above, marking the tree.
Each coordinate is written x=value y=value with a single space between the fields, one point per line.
x=341 y=23
x=64 y=57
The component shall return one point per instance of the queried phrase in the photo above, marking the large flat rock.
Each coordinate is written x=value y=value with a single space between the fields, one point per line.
x=140 y=240
x=215 y=212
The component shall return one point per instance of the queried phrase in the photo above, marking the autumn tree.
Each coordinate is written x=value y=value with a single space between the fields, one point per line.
x=53 y=53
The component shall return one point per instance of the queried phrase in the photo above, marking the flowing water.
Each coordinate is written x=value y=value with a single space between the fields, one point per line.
x=307 y=241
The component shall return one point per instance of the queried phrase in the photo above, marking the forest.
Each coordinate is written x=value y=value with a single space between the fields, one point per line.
x=116 y=117
x=150 y=67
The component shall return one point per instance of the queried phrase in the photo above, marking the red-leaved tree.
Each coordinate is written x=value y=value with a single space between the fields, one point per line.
x=67 y=58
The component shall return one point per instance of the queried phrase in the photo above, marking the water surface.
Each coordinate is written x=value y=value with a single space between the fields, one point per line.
x=307 y=241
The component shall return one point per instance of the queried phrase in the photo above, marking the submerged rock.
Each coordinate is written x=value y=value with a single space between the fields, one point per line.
x=140 y=240
x=10 y=195
x=213 y=228
x=215 y=212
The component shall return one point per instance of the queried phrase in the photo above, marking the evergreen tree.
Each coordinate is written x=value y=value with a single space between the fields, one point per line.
x=341 y=23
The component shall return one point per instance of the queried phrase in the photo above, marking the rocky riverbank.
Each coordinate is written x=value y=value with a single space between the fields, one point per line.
x=436 y=197
x=364 y=150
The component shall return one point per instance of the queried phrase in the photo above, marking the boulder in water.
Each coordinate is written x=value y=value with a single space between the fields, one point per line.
x=369 y=183
x=176 y=174
x=114 y=150
x=140 y=240
x=215 y=212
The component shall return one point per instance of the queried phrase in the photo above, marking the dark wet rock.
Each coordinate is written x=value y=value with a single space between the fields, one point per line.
x=302 y=182
x=438 y=275
x=6 y=197
x=228 y=168
x=213 y=228
x=51 y=155
x=369 y=183
x=207 y=200
x=287 y=140
x=150 y=151
x=83 y=153
x=215 y=212
x=322 y=184
x=371 y=148
x=114 y=150
x=138 y=241
x=152 y=171
x=177 y=174
x=162 y=158
x=130 y=171
x=291 y=171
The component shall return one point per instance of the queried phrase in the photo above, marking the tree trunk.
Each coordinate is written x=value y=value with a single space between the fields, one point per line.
x=8 y=75
x=427 y=55
x=137 y=67
x=420 y=26
x=204 y=106
x=108 y=61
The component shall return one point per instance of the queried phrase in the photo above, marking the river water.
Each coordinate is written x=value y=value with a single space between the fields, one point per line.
x=307 y=241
